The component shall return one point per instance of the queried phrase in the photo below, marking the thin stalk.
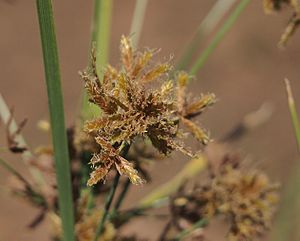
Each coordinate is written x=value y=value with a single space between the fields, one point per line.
x=165 y=231
x=100 y=38
x=137 y=21
x=214 y=16
x=55 y=101
x=124 y=151
x=14 y=172
x=122 y=195
x=293 y=112
x=199 y=224
x=108 y=202
x=201 y=60
x=283 y=230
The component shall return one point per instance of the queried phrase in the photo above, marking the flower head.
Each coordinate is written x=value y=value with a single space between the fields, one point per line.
x=246 y=199
x=132 y=107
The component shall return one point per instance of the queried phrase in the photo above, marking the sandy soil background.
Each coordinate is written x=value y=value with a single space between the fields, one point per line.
x=246 y=70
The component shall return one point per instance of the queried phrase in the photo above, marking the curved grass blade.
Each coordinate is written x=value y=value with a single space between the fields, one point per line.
x=201 y=60
x=216 y=13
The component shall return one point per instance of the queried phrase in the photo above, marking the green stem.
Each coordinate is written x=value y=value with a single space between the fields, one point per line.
x=55 y=99
x=293 y=112
x=186 y=232
x=100 y=38
x=206 y=26
x=137 y=20
x=108 y=202
x=124 y=150
x=121 y=198
x=219 y=36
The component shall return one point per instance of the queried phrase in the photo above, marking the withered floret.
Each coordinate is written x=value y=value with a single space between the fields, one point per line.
x=246 y=199
x=131 y=108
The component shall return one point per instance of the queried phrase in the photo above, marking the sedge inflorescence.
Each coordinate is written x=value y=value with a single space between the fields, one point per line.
x=133 y=107
x=246 y=198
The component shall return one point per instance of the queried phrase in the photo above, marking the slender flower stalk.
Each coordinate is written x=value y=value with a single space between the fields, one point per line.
x=293 y=111
x=125 y=148
x=55 y=99
x=214 y=16
x=100 y=38
x=201 y=60
x=108 y=202
x=122 y=195
x=137 y=21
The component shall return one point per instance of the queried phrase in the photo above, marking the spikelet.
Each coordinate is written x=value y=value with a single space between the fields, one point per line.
x=199 y=133
x=124 y=167
x=199 y=105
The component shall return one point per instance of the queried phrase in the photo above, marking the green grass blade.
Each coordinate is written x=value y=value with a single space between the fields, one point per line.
x=100 y=38
x=293 y=112
x=137 y=21
x=219 y=36
x=217 y=12
x=287 y=215
x=55 y=101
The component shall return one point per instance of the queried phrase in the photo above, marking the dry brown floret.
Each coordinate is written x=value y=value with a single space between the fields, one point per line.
x=247 y=199
x=131 y=108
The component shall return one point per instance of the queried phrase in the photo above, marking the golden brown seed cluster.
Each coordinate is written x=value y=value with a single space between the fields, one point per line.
x=133 y=107
x=271 y=6
x=247 y=199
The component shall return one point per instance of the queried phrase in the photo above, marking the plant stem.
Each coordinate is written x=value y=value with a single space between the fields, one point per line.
x=206 y=26
x=122 y=195
x=186 y=232
x=137 y=21
x=108 y=202
x=124 y=150
x=100 y=37
x=219 y=36
x=14 y=172
x=293 y=112
x=55 y=101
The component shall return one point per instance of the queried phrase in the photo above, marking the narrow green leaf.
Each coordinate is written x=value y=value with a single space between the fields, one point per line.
x=55 y=101
x=137 y=21
x=107 y=205
x=100 y=38
x=293 y=111
x=214 y=16
x=201 y=60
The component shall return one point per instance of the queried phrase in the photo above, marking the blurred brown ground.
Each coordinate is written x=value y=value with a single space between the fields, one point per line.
x=246 y=70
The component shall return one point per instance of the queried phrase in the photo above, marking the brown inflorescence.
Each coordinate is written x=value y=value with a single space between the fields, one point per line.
x=132 y=107
x=246 y=199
